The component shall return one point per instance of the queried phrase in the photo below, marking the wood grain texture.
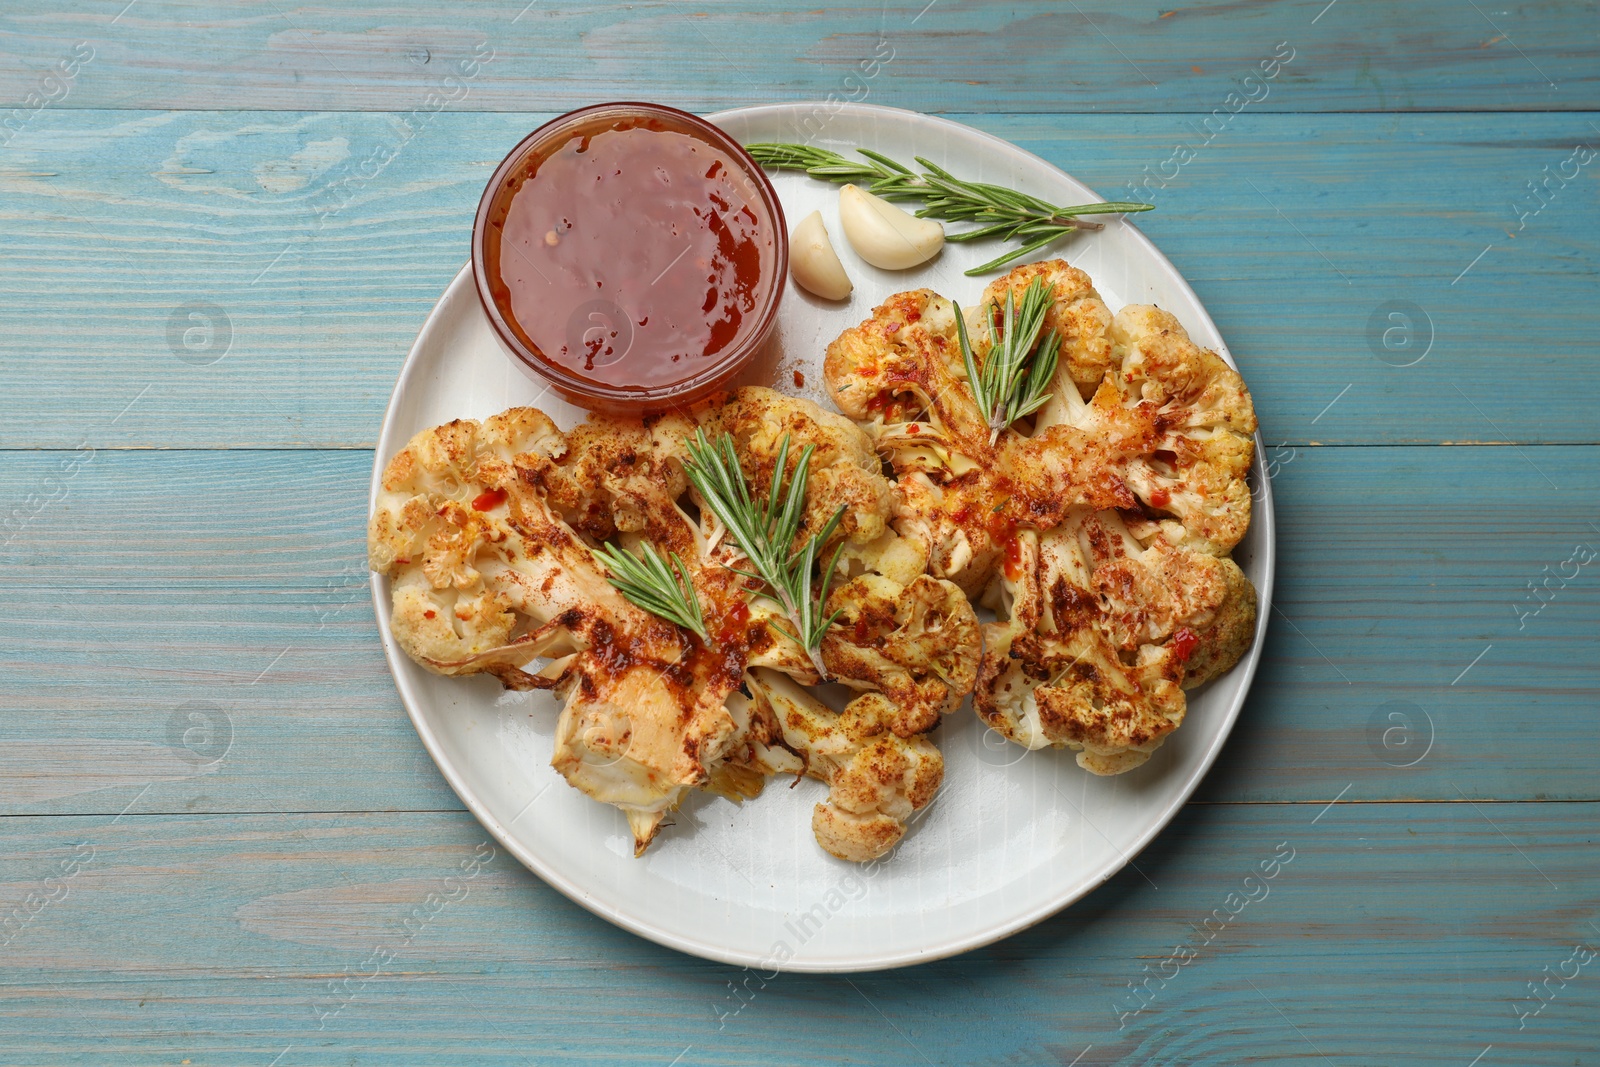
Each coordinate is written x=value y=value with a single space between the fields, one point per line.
x=223 y=940
x=213 y=810
x=231 y=585
x=1295 y=230
x=947 y=55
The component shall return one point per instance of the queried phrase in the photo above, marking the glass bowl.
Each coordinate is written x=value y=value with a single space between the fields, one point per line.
x=595 y=346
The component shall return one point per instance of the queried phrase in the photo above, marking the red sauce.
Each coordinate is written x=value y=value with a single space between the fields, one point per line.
x=1184 y=643
x=631 y=254
x=1014 y=559
x=733 y=624
x=1160 y=498
x=489 y=499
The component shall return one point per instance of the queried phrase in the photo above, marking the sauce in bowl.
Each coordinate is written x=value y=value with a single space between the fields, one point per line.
x=631 y=255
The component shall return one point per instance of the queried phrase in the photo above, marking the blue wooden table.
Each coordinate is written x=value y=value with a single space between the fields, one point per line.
x=222 y=225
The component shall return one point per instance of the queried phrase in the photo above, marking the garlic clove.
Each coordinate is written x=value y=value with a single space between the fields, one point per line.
x=884 y=235
x=814 y=263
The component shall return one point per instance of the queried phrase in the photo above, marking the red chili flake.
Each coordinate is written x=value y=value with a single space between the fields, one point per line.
x=430 y=614
x=1160 y=498
x=1184 y=643
x=799 y=380
x=913 y=429
x=489 y=500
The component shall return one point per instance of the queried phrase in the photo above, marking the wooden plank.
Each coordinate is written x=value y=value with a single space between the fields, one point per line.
x=1029 y=56
x=230 y=586
x=1392 y=934
x=314 y=281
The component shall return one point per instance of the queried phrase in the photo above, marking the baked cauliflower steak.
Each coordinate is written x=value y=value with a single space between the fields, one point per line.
x=488 y=533
x=1098 y=528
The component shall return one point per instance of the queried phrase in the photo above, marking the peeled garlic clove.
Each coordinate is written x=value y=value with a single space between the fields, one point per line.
x=814 y=263
x=885 y=236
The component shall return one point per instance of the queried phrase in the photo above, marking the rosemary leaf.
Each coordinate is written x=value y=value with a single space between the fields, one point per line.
x=765 y=532
x=1012 y=381
x=1005 y=213
x=650 y=582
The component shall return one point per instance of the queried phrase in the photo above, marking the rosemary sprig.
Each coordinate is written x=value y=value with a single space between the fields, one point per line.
x=999 y=212
x=765 y=532
x=654 y=585
x=1012 y=381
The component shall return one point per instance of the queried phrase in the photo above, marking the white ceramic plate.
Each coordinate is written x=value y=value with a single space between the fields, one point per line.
x=1012 y=837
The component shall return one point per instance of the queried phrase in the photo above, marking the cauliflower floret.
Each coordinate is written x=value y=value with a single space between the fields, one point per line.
x=430 y=471
x=900 y=559
x=1100 y=635
x=916 y=644
x=1223 y=641
x=900 y=374
x=1181 y=421
x=876 y=778
x=614 y=473
x=1077 y=314
x=843 y=471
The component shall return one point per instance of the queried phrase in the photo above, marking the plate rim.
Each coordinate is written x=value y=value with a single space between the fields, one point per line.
x=1263 y=512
